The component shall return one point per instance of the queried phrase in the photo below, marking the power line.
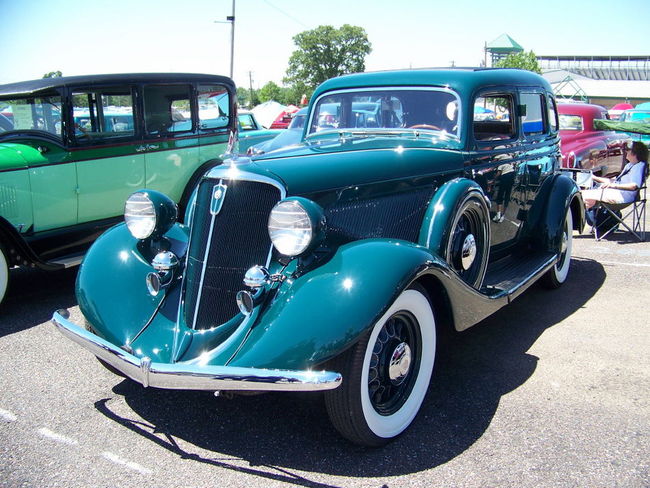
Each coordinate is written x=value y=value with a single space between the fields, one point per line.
x=285 y=13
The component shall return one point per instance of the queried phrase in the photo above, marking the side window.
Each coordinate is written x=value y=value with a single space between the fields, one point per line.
x=102 y=115
x=552 y=114
x=214 y=107
x=532 y=119
x=41 y=114
x=493 y=118
x=246 y=122
x=167 y=109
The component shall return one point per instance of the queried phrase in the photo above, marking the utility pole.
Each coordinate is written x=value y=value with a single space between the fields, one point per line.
x=250 y=80
x=231 y=19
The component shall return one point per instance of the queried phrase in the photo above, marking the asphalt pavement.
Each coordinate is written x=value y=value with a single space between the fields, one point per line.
x=551 y=391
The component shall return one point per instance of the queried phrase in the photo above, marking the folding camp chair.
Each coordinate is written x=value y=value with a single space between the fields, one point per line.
x=636 y=209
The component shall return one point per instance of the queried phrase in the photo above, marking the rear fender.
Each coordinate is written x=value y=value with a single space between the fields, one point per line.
x=562 y=195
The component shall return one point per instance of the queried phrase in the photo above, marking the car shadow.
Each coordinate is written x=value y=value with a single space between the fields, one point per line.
x=281 y=432
x=33 y=295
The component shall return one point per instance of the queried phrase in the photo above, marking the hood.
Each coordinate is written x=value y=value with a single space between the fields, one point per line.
x=313 y=168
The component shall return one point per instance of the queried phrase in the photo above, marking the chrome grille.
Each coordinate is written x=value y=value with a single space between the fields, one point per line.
x=224 y=246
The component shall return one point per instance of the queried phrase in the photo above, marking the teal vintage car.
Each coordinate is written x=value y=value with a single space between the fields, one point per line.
x=335 y=265
x=72 y=150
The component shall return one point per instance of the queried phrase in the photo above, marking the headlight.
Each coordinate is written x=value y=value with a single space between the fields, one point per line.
x=295 y=225
x=148 y=213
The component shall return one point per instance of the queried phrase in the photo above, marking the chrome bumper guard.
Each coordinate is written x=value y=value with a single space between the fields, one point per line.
x=184 y=376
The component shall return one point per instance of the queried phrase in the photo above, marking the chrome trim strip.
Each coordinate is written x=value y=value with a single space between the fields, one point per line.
x=184 y=376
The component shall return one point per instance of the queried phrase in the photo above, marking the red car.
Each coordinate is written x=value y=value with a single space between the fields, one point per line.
x=585 y=147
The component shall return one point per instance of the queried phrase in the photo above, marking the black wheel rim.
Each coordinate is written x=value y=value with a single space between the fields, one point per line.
x=469 y=224
x=387 y=392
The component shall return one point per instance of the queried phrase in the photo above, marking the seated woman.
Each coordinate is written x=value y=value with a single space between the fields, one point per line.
x=624 y=187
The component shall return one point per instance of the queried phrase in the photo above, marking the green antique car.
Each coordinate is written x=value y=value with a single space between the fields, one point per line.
x=335 y=265
x=72 y=150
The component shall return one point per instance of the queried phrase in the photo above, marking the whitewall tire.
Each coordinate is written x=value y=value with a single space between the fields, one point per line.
x=559 y=272
x=386 y=374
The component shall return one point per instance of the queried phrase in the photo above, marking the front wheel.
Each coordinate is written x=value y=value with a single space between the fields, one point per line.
x=559 y=272
x=386 y=374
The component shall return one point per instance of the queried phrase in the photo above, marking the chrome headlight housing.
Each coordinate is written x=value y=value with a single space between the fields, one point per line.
x=149 y=213
x=296 y=225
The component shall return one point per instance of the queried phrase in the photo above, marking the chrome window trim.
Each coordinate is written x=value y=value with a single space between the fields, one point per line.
x=442 y=89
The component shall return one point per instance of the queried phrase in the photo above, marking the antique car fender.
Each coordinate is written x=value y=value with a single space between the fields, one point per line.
x=563 y=195
x=320 y=314
x=442 y=209
x=111 y=284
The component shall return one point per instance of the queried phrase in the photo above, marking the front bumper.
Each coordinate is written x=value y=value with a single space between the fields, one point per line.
x=185 y=376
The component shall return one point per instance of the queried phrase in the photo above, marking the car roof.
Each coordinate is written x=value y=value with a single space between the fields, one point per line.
x=46 y=84
x=460 y=79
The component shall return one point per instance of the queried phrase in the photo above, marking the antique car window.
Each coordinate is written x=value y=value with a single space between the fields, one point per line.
x=101 y=115
x=167 y=109
x=493 y=118
x=214 y=107
x=395 y=108
x=29 y=113
x=533 y=119
x=570 y=122
x=552 y=114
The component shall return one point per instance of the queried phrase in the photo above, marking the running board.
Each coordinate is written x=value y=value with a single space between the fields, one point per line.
x=67 y=262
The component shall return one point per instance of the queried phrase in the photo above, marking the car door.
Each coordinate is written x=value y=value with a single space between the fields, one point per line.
x=497 y=164
x=539 y=155
x=107 y=148
x=170 y=138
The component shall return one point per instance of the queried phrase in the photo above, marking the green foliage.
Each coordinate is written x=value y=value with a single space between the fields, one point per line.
x=53 y=74
x=326 y=52
x=523 y=60
x=247 y=97
x=271 y=91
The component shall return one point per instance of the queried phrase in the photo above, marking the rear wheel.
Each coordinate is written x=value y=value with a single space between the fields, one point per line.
x=4 y=273
x=386 y=374
x=559 y=272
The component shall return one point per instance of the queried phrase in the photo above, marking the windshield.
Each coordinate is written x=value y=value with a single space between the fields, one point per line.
x=387 y=108
x=29 y=113
x=570 y=122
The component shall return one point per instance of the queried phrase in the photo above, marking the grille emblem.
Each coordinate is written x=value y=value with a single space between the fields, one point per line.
x=218 y=196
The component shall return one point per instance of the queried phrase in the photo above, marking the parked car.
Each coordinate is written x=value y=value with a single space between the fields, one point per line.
x=283 y=120
x=586 y=147
x=251 y=132
x=72 y=149
x=335 y=266
x=641 y=113
x=285 y=138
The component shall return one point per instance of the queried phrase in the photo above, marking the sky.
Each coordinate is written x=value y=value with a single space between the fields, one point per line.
x=121 y=36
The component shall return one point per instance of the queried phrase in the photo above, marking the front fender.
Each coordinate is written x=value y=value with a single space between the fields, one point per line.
x=442 y=209
x=111 y=287
x=323 y=312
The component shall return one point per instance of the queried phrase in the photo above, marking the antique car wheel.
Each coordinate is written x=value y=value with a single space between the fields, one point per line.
x=4 y=273
x=386 y=374
x=558 y=274
x=469 y=241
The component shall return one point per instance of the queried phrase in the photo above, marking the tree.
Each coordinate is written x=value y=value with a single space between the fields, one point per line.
x=523 y=60
x=53 y=74
x=326 y=52
x=271 y=91
x=247 y=97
